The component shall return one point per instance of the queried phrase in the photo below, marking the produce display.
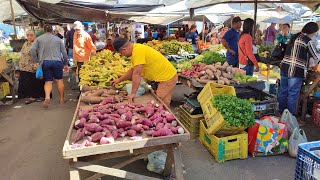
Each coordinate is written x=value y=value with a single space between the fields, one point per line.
x=216 y=73
x=194 y=71
x=170 y=47
x=107 y=121
x=213 y=57
x=264 y=51
x=11 y=56
x=187 y=63
x=216 y=48
x=235 y=111
x=243 y=78
x=103 y=68
x=94 y=95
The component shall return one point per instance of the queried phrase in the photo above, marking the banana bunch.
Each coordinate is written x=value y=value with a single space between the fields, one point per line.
x=103 y=68
x=173 y=47
x=264 y=54
x=155 y=44
x=122 y=84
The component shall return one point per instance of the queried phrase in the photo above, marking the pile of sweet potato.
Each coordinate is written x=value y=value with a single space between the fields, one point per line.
x=93 y=95
x=106 y=122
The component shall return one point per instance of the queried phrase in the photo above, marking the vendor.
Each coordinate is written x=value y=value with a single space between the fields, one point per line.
x=149 y=64
x=294 y=66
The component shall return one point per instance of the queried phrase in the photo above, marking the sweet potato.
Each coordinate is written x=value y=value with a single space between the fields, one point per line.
x=88 y=143
x=148 y=122
x=132 y=133
x=118 y=98
x=174 y=123
x=104 y=140
x=123 y=124
x=155 y=116
x=221 y=82
x=165 y=132
x=145 y=127
x=159 y=126
x=137 y=128
x=211 y=67
x=106 y=122
x=204 y=77
x=217 y=74
x=164 y=121
x=229 y=69
x=140 y=121
x=84 y=113
x=127 y=116
x=209 y=73
x=224 y=66
x=174 y=130
x=91 y=127
x=149 y=133
x=115 y=115
x=80 y=123
x=180 y=130
x=156 y=134
x=94 y=119
x=92 y=99
x=86 y=132
x=85 y=88
x=98 y=92
x=170 y=117
x=121 y=130
x=107 y=100
x=226 y=75
x=78 y=135
x=124 y=133
x=121 y=111
x=97 y=136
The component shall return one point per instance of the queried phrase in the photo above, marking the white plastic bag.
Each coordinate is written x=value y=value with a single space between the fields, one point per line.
x=290 y=120
x=298 y=136
x=157 y=161
x=140 y=92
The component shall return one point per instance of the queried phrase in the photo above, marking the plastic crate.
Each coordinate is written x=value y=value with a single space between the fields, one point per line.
x=212 y=116
x=191 y=122
x=308 y=162
x=4 y=89
x=267 y=104
x=224 y=148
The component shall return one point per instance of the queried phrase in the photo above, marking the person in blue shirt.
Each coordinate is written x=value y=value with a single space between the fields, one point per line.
x=284 y=35
x=230 y=42
x=192 y=37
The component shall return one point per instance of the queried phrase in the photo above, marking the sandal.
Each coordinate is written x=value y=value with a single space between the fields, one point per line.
x=30 y=100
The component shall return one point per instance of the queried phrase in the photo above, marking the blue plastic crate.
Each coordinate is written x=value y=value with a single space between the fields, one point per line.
x=308 y=162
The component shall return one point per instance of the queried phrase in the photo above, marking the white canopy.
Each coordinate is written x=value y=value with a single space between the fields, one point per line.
x=5 y=12
x=286 y=19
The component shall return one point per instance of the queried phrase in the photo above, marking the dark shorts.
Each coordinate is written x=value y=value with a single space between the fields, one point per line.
x=52 y=70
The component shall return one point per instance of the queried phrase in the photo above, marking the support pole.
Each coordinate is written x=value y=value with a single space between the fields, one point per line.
x=13 y=20
x=203 y=27
x=255 y=18
x=168 y=33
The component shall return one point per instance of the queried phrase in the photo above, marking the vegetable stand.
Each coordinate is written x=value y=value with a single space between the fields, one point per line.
x=80 y=158
x=8 y=75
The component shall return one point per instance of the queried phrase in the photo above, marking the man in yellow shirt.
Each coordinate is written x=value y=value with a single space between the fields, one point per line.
x=149 y=64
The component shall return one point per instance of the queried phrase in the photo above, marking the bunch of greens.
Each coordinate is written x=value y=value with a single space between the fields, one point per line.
x=236 y=112
x=212 y=57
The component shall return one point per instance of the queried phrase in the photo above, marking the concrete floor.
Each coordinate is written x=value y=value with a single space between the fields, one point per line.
x=31 y=141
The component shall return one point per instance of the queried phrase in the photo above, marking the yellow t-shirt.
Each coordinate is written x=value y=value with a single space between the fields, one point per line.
x=156 y=66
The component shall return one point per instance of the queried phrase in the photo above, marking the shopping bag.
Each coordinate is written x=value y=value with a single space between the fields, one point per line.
x=157 y=161
x=298 y=136
x=290 y=120
x=267 y=140
x=39 y=73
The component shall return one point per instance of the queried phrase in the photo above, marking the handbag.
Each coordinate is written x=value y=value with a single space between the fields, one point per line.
x=250 y=63
x=279 y=51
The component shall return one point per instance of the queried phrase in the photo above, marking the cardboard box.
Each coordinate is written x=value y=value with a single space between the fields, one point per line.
x=3 y=63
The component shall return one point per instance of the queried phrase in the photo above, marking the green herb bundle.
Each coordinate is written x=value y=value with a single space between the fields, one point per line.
x=212 y=57
x=235 y=111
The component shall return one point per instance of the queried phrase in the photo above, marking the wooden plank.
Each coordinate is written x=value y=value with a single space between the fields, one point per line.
x=178 y=163
x=169 y=162
x=111 y=171
x=7 y=78
x=124 y=153
x=74 y=174
x=119 y=166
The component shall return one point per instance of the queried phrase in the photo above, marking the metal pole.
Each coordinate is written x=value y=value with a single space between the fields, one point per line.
x=13 y=20
x=203 y=27
x=168 y=33
x=255 y=18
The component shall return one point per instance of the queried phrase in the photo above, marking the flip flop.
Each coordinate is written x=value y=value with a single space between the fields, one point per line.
x=46 y=103
x=29 y=101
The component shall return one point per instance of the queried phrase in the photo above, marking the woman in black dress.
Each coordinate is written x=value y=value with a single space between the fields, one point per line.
x=29 y=86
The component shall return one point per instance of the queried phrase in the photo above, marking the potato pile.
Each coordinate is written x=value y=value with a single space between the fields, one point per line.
x=217 y=73
x=95 y=95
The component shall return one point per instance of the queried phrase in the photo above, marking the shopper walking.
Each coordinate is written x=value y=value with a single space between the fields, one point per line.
x=230 y=42
x=50 y=52
x=295 y=65
x=270 y=35
x=247 y=60
x=29 y=86
x=192 y=37
x=69 y=43
x=149 y=64
x=83 y=46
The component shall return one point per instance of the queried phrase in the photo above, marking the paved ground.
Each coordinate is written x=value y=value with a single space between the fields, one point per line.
x=31 y=141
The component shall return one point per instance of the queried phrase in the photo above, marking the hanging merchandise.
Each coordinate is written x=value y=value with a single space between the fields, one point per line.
x=290 y=120
x=298 y=136
x=267 y=137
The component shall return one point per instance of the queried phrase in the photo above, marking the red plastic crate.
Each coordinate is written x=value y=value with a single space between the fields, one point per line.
x=316 y=113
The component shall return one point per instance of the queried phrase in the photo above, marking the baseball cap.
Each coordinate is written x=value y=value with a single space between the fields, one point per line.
x=236 y=19
x=118 y=43
x=77 y=25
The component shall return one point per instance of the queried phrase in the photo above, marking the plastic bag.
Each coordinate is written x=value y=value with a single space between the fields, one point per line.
x=298 y=136
x=39 y=73
x=157 y=161
x=140 y=92
x=290 y=120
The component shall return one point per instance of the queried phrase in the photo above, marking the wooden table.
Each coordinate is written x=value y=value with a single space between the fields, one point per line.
x=81 y=159
x=315 y=78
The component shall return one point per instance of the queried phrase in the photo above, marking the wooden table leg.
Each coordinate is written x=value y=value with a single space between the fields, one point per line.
x=305 y=97
x=74 y=174
x=169 y=162
x=178 y=163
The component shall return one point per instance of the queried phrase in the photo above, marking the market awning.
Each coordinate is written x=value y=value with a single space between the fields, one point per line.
x=5 y=9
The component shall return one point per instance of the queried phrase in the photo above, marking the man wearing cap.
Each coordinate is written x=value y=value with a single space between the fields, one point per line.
x=230 y=42
x=83 y=46
x=149 y=64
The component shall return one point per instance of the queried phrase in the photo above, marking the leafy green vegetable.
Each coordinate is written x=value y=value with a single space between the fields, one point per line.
x=212 y=57
x=235 y=111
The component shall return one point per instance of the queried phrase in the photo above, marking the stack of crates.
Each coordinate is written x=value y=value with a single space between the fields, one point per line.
x=191 y=122
x=223 y=142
